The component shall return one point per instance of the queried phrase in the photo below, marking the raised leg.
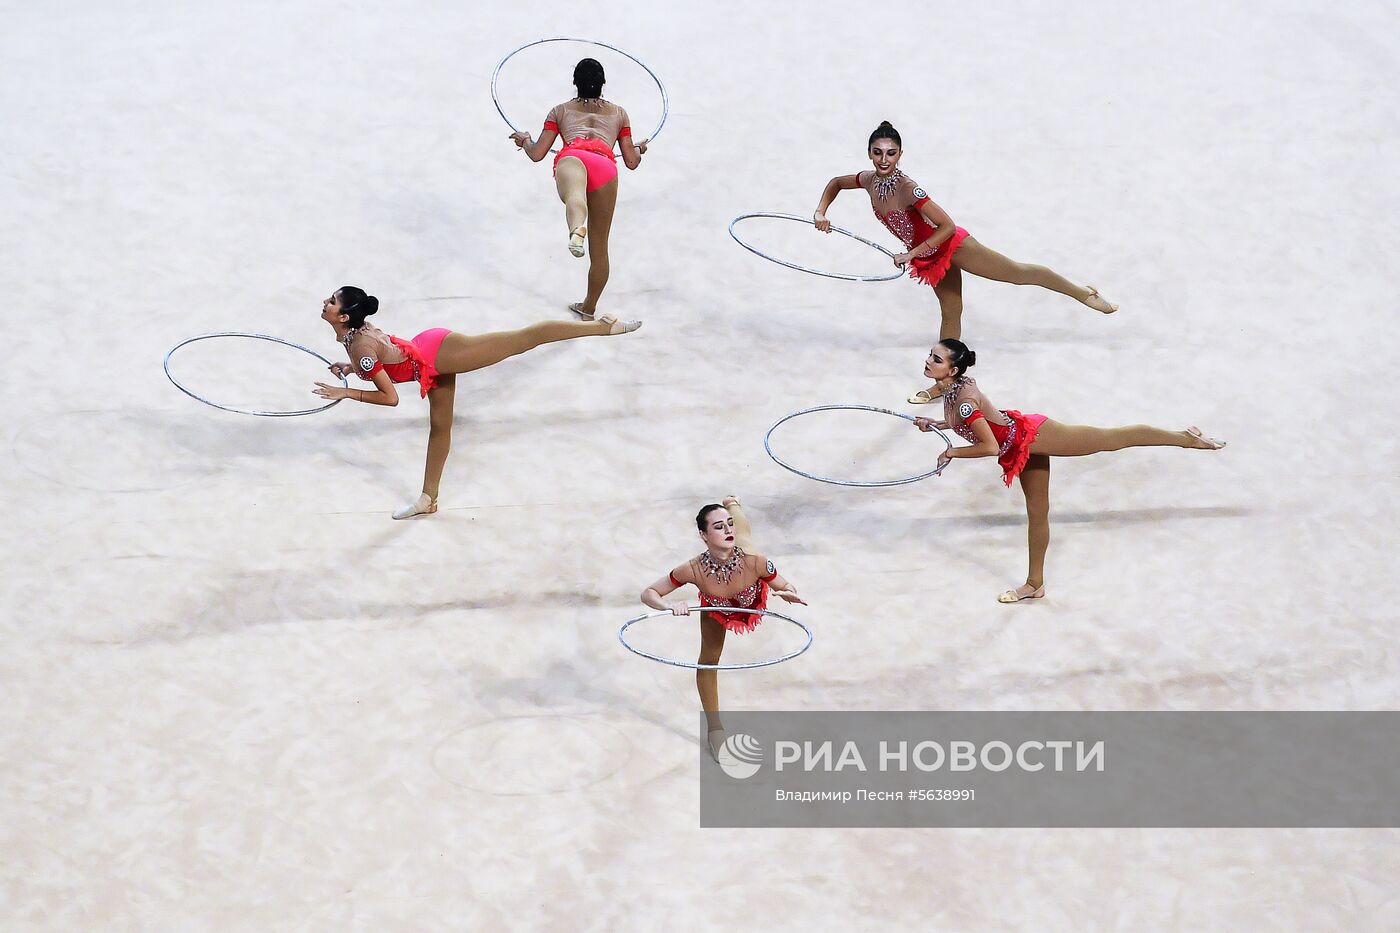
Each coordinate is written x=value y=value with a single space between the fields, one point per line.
x=571 y=181
x=601 y=203
x=976 y=259
x=743 y=531
x=461 y=353
x=1076 y=440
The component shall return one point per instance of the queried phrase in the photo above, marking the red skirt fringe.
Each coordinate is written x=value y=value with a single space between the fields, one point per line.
x=931 y=268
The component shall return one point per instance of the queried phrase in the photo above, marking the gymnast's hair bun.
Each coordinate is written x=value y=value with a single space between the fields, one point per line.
x=971 y=358
x=885 y=130
x=355 y=303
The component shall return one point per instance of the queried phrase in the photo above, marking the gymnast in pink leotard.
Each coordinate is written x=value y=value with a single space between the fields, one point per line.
x=1023 y=445
x=937 y=251
x=585 y=172
x=433 y=360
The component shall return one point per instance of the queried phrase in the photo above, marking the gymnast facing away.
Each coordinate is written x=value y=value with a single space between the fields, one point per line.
x=585 y=173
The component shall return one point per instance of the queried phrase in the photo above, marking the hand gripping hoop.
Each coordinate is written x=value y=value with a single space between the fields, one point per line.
x=622 y=637
x=244 y=411
x=947 y=444
x=665 y=101
x=800 y=268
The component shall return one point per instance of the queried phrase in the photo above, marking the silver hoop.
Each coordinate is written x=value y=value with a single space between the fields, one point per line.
x=665 y=101
x=792 y=265
x=622 y=637
x=948 y=445
x=244 y=411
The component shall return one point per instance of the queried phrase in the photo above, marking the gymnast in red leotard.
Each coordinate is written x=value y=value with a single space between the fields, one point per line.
x=727 y=573
x=1024 y=444
x=585 y=174
x=433 y=359
x=937 y=251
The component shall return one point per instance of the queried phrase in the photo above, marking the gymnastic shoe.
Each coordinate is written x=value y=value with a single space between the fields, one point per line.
x=716 y=742
x=576 y=238
x=1024 y=591
x=423 y=505
x=618 y=327
x=924 y=396
x=1099 y=302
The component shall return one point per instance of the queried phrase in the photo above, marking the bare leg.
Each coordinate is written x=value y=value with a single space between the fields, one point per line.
x=974 y=258
x=461 y=353
x=440 y=401
x=707 y=682
x=743 y=531
x=571 y=181
x=1075 y=440
x=950 y=303
x=601 y=202
x=1035 y=484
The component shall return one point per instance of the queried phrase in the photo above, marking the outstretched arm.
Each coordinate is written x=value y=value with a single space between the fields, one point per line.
x=834 y=187
x=785 y=590
x=383 y=392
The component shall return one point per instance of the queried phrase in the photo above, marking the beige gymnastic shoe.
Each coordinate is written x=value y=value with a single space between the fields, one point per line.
x=1206 y=443
x=618 y=327
x=716 y=741
x=576 y=238
x=924 y=396
x=1024 y=591
x=577 y=308
x=423 y=505
x=1099 y=302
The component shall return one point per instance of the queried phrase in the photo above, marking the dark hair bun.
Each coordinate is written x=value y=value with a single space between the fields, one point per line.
x=885 y=130
x=589 y=78
x=971 y=358
x=369 y=305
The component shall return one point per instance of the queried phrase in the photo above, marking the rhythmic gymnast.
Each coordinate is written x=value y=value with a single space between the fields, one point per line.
x=727 y=573
x=937 y=251
x=433 y=359
x=1024 y=444
x=584 y=170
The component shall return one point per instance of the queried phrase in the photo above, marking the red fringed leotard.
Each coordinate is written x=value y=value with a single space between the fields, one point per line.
x=745 y=588
x=964 y=403
x=413 y=360
x=896 y=201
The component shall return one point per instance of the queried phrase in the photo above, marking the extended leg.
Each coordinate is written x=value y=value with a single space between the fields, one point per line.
x=1077 y=440
x=743 y=531
x=461 y=353
x=978 y=260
